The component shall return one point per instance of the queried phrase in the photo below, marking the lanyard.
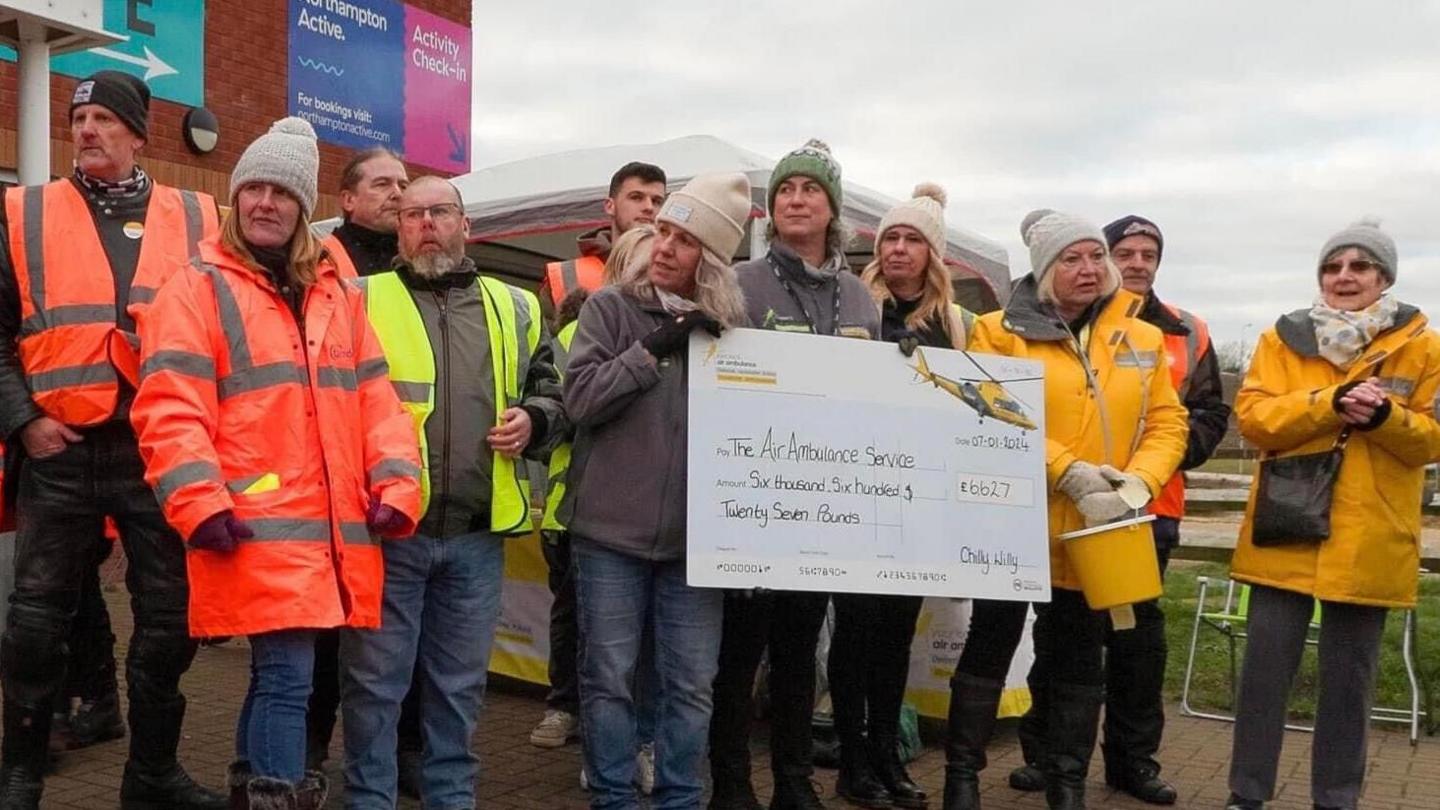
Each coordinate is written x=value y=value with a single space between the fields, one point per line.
x=835 y=317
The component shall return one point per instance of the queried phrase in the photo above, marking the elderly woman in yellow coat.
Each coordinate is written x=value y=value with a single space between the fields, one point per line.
x=1357 y=359
x=1112 y=422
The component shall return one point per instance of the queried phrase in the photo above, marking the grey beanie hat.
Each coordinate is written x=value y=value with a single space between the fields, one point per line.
x=287 y=156
x=1366 y=234
x=1047 y=233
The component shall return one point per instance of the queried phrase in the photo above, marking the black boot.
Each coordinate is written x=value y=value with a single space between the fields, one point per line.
x=96 y=721
x=886 y=765
x=856 y=782
x=312 y=791
x=795 y=793
x=973 y=704
x=153 y=778
x=20 y=787
x=730 y=791
x=25 y=751
x=237 y=779
x=1074 y=719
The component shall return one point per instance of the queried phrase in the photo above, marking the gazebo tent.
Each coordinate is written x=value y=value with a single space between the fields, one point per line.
x=528 y=212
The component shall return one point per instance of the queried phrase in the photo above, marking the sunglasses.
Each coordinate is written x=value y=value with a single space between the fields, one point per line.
x=1357 y=266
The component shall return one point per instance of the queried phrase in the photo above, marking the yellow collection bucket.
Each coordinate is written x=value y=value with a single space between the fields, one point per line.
x=1115 y=562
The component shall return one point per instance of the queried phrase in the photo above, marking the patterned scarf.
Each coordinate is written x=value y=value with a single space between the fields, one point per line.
x=1342 y=336
x=675 y=304
x=137 y=183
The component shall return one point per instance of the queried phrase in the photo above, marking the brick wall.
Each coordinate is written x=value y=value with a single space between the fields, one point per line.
x=245 y=86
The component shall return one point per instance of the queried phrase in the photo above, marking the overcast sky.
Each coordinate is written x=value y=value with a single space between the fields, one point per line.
x=1250 y=131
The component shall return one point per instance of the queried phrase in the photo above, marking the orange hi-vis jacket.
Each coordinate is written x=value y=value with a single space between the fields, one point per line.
x=343 y=264
x=1183 y=353
x=296 y=430
x=67 y=289
x=563 y=278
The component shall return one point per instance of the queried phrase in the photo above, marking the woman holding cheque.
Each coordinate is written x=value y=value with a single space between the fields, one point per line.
x=1115 y=432
x=625 y=390
x=1341 y=399
x=870 y=651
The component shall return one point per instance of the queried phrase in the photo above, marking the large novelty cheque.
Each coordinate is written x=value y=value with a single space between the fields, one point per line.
x=833 y=464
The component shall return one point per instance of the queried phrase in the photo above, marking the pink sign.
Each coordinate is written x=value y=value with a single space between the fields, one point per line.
x=437 y=91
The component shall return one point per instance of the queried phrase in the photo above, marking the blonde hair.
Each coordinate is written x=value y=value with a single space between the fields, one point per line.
x=306 y=251
x=1045 y=289
x=937 y=298
x=630 y=253
x=717 y=288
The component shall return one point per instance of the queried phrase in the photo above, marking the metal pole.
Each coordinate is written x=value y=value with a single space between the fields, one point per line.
x=34 y=128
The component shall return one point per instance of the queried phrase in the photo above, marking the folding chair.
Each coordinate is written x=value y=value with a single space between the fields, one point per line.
x=1232 y=620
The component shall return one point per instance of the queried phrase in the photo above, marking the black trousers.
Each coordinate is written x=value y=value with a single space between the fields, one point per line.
x=993 y=637
x=564 y=630
x=62 y=502
x=788 y=622
x=90 y=673
x=1134 y=682
x=869 y=665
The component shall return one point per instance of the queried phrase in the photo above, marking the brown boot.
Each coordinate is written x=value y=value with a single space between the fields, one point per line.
x=312 y=791
x=238 y=778
x=264 y=793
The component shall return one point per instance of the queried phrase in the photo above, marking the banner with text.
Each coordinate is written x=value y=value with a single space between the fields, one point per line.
x=380 y=73
x=830 y=464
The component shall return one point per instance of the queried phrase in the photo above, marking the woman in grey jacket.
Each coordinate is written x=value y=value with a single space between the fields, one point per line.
x=625 y=390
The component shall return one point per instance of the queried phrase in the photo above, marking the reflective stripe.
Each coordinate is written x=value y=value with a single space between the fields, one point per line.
x=1400 y=386
x=232 y=323
x=272 y=529
x=194 y=222
x=188 y=473
x=393 y=468
x=255 y=378
x=142 y=295
x=417 y=392
x=335 y=377
x=356 y=533
x=370 y=369
x=67 y=315
x=522 y=334
x=571 y=278
x=93 y=374
x=187 y=363
x=34 y=207
x=1132 y=359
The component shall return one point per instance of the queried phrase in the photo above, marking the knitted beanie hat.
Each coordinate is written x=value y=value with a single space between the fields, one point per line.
x=1047 y=233
x=713 y=208
x=924 y=211
x=1366 y=234
x=813 y=160
x=125 y=95
x=287 y=156
x=1134 y=225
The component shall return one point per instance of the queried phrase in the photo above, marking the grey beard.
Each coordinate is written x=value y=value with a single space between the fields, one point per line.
x=435 y=265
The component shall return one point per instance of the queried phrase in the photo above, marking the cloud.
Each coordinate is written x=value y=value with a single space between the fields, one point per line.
x=1250 y=132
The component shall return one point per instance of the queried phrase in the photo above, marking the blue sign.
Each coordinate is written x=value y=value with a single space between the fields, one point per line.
x=164 y=45
x=346 y=70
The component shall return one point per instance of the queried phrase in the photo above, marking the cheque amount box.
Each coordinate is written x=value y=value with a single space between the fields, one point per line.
x=997 y=490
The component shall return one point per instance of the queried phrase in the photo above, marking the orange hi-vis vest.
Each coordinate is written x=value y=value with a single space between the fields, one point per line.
x=1183 y=353
x=297 y=431
x=562 y=278
x=343 y=263
x=67 y=289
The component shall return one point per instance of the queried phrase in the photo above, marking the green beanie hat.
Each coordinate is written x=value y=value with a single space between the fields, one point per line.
x=812 y=160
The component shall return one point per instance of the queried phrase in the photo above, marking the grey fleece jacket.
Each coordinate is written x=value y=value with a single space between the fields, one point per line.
x=626 y=485
x=771 y=307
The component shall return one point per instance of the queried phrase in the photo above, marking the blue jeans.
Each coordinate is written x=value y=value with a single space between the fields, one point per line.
x=438 y=615
x=270 y=734
x=617 y=596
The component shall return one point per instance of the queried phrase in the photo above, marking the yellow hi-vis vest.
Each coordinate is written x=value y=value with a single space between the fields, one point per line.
x=510 y=313
x=560 y=456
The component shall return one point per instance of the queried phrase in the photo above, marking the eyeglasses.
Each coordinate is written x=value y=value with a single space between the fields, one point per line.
x=1356 y=266
x=440 y=213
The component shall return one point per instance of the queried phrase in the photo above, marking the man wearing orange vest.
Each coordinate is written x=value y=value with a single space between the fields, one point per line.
x=370 y=187
x=636 y=193
x=637 y=190
x=82 y=259
x=1135 y=659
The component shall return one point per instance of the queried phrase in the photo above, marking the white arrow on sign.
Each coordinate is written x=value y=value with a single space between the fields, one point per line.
x=154 y=65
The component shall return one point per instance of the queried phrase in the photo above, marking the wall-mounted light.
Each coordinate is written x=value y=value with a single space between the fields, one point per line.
x=202 y=130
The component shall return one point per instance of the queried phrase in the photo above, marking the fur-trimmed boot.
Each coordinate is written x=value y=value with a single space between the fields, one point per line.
x=264 y=793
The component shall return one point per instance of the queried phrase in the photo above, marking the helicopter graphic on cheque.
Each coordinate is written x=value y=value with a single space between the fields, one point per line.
x=987 y=397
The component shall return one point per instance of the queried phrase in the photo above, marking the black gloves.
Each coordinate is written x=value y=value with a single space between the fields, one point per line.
x=672 y=336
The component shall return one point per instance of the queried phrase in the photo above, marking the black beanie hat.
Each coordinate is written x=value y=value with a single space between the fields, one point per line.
x=1134 y=225
x=120 y=93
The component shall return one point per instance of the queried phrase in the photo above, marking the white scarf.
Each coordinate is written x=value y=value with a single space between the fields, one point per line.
x=1342 y=336
x=675 y=304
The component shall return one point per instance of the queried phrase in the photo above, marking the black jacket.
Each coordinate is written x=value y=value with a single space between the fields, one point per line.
x=371 y=251
x=1205 y=396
